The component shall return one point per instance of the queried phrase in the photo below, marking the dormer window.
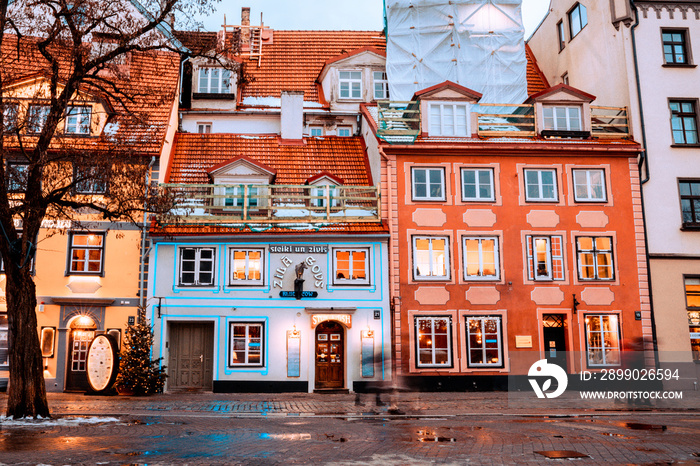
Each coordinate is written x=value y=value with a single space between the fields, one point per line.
x=214 y=81
x=78 y=120
x=448 y=119
x=350 y=84
x=242 y=195
x=562 y=118
x=381 y=85
x=241 y=185
x=325 y=190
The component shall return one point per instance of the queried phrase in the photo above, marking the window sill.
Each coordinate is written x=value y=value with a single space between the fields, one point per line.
x=678 y=65
x=213 y=96
x=427 y=200
x=685 y=146
x=687 y=227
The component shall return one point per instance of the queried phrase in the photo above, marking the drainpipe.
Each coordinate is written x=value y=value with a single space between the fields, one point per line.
x=144 y=227
x=644 y=162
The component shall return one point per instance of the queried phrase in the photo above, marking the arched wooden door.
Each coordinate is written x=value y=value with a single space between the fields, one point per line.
x=82 y=331
x=330 y=355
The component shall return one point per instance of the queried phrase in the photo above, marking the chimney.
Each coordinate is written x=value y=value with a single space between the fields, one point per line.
x=292 y=109
x=245 y=28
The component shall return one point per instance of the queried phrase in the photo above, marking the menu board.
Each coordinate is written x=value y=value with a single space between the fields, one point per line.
x=102 y=362
x=293 y=355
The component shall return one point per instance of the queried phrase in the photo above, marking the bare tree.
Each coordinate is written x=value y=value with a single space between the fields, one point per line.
x=103 y=54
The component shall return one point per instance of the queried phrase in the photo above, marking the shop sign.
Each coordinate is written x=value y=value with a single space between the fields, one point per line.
x=304 y=294
x=308 y=263
x=345 y=319
x=695 y=336
x=299 y=248
x=102 y=363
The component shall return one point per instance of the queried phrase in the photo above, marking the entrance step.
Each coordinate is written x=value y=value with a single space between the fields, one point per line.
x=331 y=390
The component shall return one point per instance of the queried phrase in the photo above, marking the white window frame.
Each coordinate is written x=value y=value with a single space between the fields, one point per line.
x=222 y=80
x=78 y=120
x=344 y=131
x=433 y=349
x=380 y=88
x=465 y=264
x=203 y=127
x=246 y=351
x=588 y=184
x=247 y=280
x=87 y=248
x=198 y=261
x=428 y=183
x=316 y=129
x=16 y=173
x=540 y=185
x=90 y=185
x=595 y=253
x=318 y=195
x=349 y=280
x=440 y=120
x=349 y=78
x=499 y=340
x=554 y=115
x=431 y=258
x=478 y=185
x=10 y=113
x=37 y=116
x=603 y=349
x=549 y=276
x=236 y=195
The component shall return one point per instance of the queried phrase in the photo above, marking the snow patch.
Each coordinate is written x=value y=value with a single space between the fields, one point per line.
x=49 y=422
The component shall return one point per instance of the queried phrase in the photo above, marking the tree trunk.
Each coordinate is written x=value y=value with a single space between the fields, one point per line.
x=27 y=390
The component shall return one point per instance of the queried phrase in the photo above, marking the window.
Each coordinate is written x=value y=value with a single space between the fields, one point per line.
x=37 y=117
x=595 y=258
x=89 y=180
x=17 y=176
x=480 y=258
x=344 y=131
x=690 y=202
x=204 y=128
x=541 y=185
x=78 y=120
x=351 y=266
x=246 y=344
x=675 y=48
x=603 y=340
x=589 y=185
x=562 y=118
x=683 y=122
x=318 y=195
x=315 y=130
x=565 y=78
x=214 y=81
x=246 y=266
x=22 y=261
x=560 y=35
x=9 y=115
x=484 y=343
x=547 y=262
x=381 y=85
x=477 y=184
x=428 y=184
x=692 y=294
x=434 y=341
x=197 y=266
x=448 y=119
x=238 y=196
x=577 y=19
x=4 y=342
x=431 y=258
x=350 y=84
x=86 y=253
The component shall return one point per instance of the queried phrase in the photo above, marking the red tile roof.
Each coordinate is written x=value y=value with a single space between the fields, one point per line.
x=344 y=157
x=215 y=230
x=536 y=81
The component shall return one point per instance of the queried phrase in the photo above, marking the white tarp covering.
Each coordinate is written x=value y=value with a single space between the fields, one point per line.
x=478 y=44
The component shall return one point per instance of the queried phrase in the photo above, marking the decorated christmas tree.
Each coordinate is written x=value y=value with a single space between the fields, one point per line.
x=138 y=373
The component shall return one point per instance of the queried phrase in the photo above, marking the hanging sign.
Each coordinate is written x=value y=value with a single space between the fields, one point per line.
x=102 y=363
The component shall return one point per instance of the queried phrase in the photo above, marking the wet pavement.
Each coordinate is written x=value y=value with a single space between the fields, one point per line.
x=411 y=429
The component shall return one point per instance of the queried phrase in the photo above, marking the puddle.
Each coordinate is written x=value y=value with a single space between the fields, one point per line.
x=562 y=454
x=429 y=436
x=266 y=436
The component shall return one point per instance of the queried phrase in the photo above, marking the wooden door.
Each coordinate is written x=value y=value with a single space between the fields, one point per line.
x=78 y=344
x=554 y=333
x=191 y=356
x=330 y=355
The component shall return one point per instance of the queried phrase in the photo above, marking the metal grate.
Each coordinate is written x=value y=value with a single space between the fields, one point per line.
x=553 y=320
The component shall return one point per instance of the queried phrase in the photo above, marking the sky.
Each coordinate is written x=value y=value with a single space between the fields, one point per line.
x=316 y=14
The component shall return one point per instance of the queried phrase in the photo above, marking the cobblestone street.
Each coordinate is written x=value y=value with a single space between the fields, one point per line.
x=442 y=428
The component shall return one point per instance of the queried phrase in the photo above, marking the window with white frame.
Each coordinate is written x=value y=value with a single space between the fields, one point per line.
x=381 y=85
x=239 y=195
x=480 y=258
x=350 y=84
x=431 y=258
x=545 y=257
x=589 y=185
x=562 y=118
x=246 y=266
x=246 y=343
x=602 y=340
x=9 y=116
x=86 y=253
x=595 y=258
x=204 y=128
x=484 y=341
x=315 y=130
x=477 y=184
x=433 y=341
x=351 y=266
x=541 y=185
x=214 y=81
x=197 y=266
x=78 y=120
x=89 y=180
x=448 y=119
x=37 y=118
x=319 y=194
x=344 y=131
x=428 y=184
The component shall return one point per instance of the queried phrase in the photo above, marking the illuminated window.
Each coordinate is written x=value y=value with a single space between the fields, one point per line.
x=431 y=258
x=78 y=120
x=684 y=122
x=246 y=342
x=246 y=266
x=589 y=185
x=690 y=202
x=602 y=340
x=545 y=258
x=86 y=253
x=350 y=84
x=351 y=266
x=448 y=119
x=381 y=85
x=197 y=266
x=692 y=293
x=595 y=258
x=541 y=185
x=480 y=258
x=214 y=81
x=484 y=343
x=428 y=184
x=433 y=341
x=477 y=184
x=578 y=18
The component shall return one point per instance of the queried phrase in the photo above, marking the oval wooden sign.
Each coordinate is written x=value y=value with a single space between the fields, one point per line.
x=102 y=362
